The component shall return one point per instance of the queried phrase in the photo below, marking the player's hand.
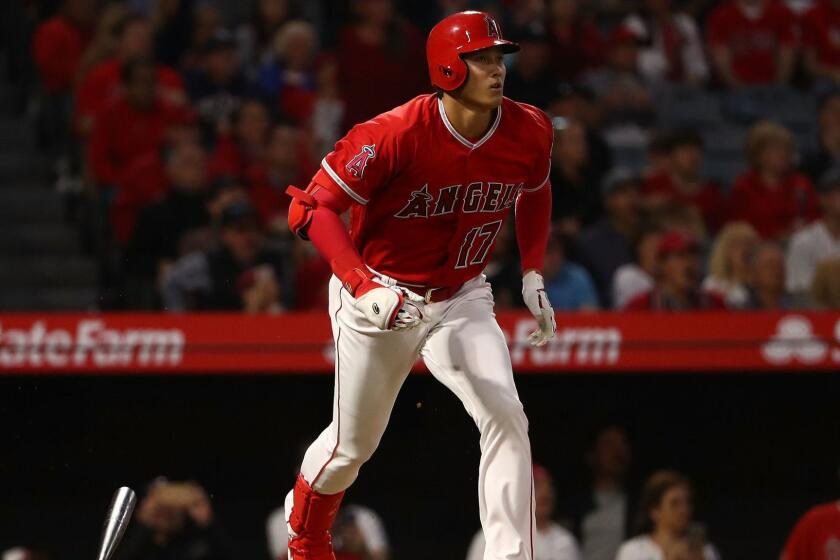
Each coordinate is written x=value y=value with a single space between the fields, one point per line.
x=389 y=307
x=533 y=292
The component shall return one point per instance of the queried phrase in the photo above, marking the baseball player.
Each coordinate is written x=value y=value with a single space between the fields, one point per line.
x=428 y=185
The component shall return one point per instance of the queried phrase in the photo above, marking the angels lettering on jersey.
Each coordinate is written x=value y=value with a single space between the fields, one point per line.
x=475 y=197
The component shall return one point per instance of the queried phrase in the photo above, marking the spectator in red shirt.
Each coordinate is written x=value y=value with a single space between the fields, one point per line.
x=131 y=127
x=752 y=42
x=772 y=196
x=101 y=85
x=677 y=286
x=59 y=44
x=240 y=146
x=576 y=44
x=381 y=61
x=679 y=181
x=816 y=535
x=821 y=40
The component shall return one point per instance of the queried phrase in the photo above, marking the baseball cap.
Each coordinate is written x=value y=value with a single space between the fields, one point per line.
x=829 y=181
x=239 y=212
x=617 y=179
x=676 y=242
x=221 y=40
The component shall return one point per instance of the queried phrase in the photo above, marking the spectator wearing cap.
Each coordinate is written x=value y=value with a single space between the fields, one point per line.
x=551 y=540
x=242 y=273
x=671 y=48
x=728 y=264
x=752 y=42
x=381 y=61
x=576 y=44
x=101 y=86
x=575 y=188
x=772 y=196
x=607 y=244
x=637 y=277
x=818 y=241
x=677 y=286
x=530 y=79
x=679 y=182
x=132 y=126
x=578 y=103
x=160 y=228
x=217 y=86
x=827 y=155
x=664 y=524
x=620 y=87
x=821 y=50
x=567 y=285
x=766 y=284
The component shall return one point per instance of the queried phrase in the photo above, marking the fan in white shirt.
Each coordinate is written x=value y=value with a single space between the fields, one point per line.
x=551 y=541
x=665 y=513
x=819 y=241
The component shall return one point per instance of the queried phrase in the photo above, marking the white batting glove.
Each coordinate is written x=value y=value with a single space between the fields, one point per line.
x=389 y=307
x=533 y=292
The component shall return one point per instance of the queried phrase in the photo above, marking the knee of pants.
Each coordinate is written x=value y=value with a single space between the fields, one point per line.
x=355 y=450
x=504 y=413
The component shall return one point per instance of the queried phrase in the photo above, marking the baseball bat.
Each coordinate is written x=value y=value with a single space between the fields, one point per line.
x=119 y=514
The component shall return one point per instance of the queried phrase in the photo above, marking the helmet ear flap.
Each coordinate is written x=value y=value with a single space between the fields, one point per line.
x=453 y=74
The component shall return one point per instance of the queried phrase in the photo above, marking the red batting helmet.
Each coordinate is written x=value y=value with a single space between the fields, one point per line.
x=457 y=35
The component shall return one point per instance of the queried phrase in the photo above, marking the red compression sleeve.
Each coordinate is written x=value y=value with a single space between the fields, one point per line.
x=533 y=221
x=332 y=240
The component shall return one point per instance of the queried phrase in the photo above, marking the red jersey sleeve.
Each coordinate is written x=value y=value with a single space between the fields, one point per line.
x=361 y=162
x=543 y=144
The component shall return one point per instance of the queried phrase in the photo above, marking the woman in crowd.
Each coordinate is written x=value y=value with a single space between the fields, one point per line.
x=665 y=530
x=728 y=267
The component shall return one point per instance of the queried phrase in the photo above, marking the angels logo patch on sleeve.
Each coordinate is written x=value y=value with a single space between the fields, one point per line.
x=356 y=166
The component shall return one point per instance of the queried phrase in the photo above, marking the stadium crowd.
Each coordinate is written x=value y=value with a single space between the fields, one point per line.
x=179 y=124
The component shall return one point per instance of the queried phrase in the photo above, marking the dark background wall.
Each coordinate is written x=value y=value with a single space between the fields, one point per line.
x=760 y=448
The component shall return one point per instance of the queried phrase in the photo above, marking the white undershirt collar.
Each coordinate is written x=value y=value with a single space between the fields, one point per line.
x=457 y=135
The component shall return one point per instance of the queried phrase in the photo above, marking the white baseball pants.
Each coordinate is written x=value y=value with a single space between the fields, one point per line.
x=464 y=348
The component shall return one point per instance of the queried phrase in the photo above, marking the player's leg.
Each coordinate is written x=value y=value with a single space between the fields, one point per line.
x=370 y=367
x=468 y=353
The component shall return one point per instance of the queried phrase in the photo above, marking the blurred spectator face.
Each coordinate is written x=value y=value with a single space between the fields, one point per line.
x=544 y=495
x=207 y=20
x=375 y=12
x=768 y=270
x=183 y=132
x=273 y=12
x=295 y=44
x=623 y=203
x=830 y=203
x=674 y=511
x=685 y=160
x=242 y=239
x=486 y=78
x=252 y=124
x=829 y=117
x=283 y=147
x=680 y=270
x=221 y=64
x=82 y=12
x=186 y=168
x=776 y=158
x=623 y=53
x=563 y=10
x=136 y=40
x=554 y=259
x=570 y=146
x=140 y=86
x=610 y=456
x=647 y=251
x=658 y=6
x=737 y=252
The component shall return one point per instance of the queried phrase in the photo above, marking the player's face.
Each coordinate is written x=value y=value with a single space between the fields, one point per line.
x=486 y=80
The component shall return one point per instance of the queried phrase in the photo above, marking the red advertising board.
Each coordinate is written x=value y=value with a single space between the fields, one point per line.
x=302 y=343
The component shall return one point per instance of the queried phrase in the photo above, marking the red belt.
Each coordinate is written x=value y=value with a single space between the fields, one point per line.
x=432 y=295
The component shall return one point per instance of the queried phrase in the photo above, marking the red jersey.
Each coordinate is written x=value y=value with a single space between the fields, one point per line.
x=773 y=212
x=57 y=47
x=429 y=201
x=821 y=33
x=753 y=42
x=816 y=535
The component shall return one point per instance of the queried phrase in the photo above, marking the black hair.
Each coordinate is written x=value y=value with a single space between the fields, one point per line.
x=681 y=137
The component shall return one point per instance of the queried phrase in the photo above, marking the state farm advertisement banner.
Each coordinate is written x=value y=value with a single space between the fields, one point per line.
x=302 y=343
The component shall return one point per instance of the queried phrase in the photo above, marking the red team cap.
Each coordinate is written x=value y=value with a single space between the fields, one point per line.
x=455 y=36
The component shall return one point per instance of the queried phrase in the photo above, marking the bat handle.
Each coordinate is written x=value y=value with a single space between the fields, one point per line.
x=116 y=522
